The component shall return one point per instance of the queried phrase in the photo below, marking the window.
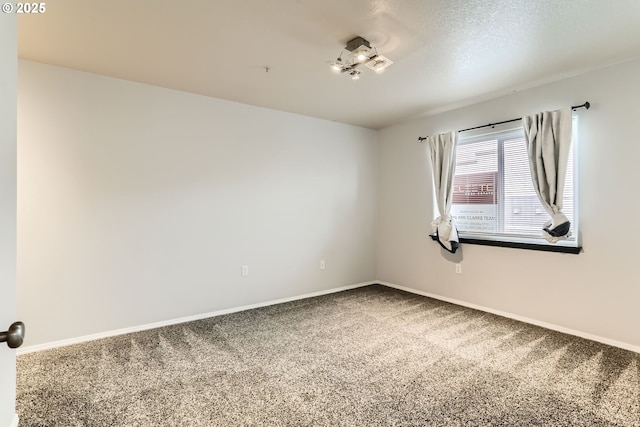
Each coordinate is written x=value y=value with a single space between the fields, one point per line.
x=493 y=197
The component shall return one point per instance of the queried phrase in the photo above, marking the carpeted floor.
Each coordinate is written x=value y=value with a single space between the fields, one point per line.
x=372 y=356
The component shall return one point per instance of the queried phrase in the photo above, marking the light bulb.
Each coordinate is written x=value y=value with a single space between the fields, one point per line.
x=336 y=66
x=355 y=75
x=361 y=56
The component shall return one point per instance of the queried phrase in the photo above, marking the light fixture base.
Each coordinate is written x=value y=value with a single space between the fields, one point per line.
x=357 y=42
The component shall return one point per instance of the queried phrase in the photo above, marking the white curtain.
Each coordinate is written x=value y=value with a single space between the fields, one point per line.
x=548 y=136
x=442 y=153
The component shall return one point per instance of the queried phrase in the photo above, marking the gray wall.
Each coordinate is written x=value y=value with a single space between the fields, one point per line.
x=595 y=292
x=139 y=204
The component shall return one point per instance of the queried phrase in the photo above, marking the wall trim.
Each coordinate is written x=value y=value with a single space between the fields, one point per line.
x=107 y=334
x=603 y=340
x=123 y=331
x=14 y=422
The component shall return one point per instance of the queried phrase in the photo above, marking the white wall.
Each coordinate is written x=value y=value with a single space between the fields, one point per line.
x=138 y=204
x=8 y=77
x=596 y=292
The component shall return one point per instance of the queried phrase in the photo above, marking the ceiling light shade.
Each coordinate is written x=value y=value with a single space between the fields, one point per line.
x=379 y=63
x=359 y=52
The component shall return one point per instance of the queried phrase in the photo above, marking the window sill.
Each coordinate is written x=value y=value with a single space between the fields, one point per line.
x=530 y=246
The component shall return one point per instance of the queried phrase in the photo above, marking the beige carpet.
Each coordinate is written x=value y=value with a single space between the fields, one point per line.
x=372 y=356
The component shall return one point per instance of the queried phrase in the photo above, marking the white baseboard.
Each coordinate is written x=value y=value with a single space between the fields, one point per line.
x=14 y=422
x=86 y=338
x=614 y=343
x=93 y=337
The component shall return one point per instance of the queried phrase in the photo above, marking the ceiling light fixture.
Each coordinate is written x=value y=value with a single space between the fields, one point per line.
x=359 y=52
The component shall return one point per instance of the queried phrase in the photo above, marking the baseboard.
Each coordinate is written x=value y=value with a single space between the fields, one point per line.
x=93 y=337
x=613 y=343
x=14 y=422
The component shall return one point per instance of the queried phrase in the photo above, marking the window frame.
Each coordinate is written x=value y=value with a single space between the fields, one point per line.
x=572 y=246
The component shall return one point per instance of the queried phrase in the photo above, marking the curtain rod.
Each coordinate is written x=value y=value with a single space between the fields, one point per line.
x=585 y=105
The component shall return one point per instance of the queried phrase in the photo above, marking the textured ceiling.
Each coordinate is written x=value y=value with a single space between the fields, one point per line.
x=446 y=52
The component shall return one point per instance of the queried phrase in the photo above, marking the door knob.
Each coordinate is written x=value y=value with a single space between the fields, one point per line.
x=14 y=336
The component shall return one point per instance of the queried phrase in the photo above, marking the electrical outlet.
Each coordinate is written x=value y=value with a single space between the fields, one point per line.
x=244 y=270
x=322 y=265
x=459 y=268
